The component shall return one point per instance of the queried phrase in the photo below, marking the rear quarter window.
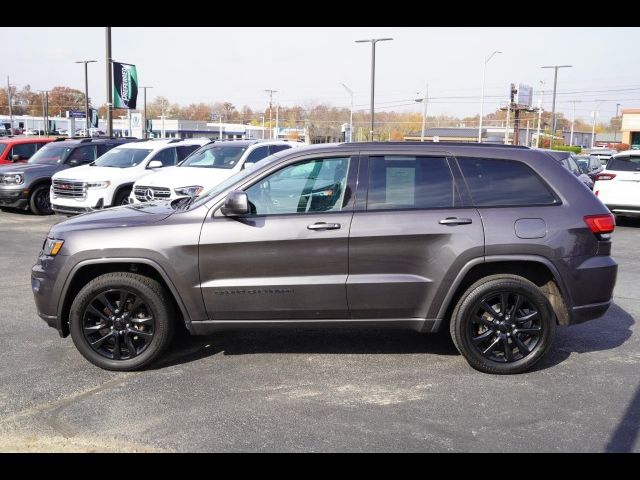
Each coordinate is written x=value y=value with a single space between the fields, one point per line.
x=499 y=182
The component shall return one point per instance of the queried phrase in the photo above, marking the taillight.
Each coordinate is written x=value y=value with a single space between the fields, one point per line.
x=597 y=192
x=600 y=223
x=605 y=176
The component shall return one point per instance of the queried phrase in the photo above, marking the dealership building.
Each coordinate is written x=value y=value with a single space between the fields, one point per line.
x=631 y=127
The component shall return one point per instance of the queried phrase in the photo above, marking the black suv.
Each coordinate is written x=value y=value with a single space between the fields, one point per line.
x=26 y=185
x=495 y=244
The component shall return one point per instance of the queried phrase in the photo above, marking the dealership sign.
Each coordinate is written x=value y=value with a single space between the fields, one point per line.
x=125 y=85
x=76 y=114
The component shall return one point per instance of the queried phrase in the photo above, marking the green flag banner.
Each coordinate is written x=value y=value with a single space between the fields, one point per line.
x=125 y=85
x=94 y=118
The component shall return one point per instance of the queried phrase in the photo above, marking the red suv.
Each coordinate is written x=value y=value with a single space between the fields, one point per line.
x=20 y=149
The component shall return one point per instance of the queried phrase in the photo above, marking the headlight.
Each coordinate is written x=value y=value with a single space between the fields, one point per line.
x=13 y=178
x=98 y=184
x=52 y=247
x=192 y=191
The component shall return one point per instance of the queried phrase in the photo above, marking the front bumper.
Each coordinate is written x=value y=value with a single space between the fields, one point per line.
x=15 y=197
x=74 y=210
x=43 y=285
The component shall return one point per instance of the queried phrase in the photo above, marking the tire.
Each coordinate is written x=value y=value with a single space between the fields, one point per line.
x=517 y=343
x=145 y=331
x=39 y=201
x=122 y=197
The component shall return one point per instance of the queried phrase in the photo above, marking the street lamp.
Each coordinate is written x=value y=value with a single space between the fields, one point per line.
x=350 y=92
x=86 y=91
x=615 y=135
x=373 y=74
x=45 y=111
x=425 y=102
x=553 y=105
x=146 y=131
x=595 y=114
x=484 y=71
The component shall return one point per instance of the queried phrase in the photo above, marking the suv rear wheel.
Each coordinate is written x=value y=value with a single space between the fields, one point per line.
x=39 y=201
x=503 y=324
x=121 y=321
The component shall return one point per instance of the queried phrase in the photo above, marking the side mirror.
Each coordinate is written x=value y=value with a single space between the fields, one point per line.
x=16 y=158
x=74 y=162
x=236 y=204
x=155 y=164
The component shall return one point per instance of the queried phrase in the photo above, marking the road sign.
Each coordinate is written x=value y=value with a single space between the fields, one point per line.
x=76 y=114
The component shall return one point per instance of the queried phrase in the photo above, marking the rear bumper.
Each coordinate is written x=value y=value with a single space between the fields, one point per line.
x=591 y=281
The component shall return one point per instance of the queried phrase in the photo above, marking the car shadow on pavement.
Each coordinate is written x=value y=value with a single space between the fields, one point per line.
x=185 y=348
x=604 y=333
x=626 y=433
x=627 y=222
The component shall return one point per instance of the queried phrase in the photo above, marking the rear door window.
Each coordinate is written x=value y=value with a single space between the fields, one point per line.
x=185 y=150
x=497 y=182
x=258 y=154
x=277 y=148
x=83 y=154
x=409 y=182
x=624 y=164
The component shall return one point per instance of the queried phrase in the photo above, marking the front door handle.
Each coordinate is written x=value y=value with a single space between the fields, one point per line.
x=323 y=226
x=455 y=221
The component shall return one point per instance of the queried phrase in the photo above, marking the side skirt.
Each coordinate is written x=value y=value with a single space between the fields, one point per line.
x=206 y=327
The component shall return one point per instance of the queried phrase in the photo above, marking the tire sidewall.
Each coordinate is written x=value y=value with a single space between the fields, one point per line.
x=461 y=319
x=159 y=310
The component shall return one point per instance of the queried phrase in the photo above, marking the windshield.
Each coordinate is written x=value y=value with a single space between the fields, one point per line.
x=50 y=154
x=122 y=157
x=215 y=156
x=3 y=147
x=570 y=165
x=624 y=164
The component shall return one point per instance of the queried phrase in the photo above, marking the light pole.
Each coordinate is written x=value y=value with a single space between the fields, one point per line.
x=425 y=102
x=262 y=117
x=45 y=111
x=373 y=75
x=146 y=131
x=270 y=92
x=86 y=91
x=109 y=89
x=553 y=105
x=615 y=135
x=573 y=119
x=484 y=71
x=350 y=92
x=540 y=113
x=595 y=114
x=9 y=99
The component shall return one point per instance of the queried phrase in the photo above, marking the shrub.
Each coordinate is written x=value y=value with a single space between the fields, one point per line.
x=621 y=146
x=566 y=148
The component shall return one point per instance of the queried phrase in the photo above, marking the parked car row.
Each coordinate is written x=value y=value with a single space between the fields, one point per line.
x=618 y=185
x=496 y=245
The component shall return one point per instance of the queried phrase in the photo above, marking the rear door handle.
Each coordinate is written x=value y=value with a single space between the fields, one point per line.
x=455 y=221
x=323 y=226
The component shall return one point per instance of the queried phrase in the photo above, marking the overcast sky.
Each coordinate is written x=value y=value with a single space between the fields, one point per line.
x=237 y=64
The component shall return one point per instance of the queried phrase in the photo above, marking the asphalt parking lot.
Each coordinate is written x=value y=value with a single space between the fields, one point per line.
x=314 y=390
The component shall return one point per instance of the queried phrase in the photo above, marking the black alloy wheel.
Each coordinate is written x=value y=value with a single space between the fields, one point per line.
x=118 y=324
x=40 y=202
x=505 y=327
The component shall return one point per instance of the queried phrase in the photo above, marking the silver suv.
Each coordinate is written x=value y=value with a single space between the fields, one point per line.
x=496 y=244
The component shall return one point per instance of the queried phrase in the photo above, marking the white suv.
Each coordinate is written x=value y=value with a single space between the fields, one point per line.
x=108 y=181
x=618 y=185
x=204 y=169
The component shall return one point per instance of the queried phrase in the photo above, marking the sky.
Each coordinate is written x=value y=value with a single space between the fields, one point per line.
x=307 y=65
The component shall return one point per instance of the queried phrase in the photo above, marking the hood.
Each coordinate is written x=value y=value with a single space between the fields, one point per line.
x=37 y=168
x=125 y=216
x=87 y=173
x=174 y=177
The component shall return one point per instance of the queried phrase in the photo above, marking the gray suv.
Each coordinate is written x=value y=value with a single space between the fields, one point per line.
x=496 y=244
x=26 y=185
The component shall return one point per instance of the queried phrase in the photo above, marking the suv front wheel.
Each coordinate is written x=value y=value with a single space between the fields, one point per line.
x=121 y=321
x=503 y=324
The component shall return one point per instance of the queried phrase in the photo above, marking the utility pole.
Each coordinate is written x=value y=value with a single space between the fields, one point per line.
x=86 y=92
x=553 y=105
x=373 y=75
x=109 y=88
x=262 y=126
x=540 y=113
x=425 y=101
x=615 y=135
x=270 y=92
x=10 y=107
x=573 y=119
x=220 y=123
x=277 y=132
x=484 y=71
x=45 y=111
x=526 y=143
x=145 y=134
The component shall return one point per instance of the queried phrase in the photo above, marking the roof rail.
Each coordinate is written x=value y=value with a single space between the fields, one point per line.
x=435 y=144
